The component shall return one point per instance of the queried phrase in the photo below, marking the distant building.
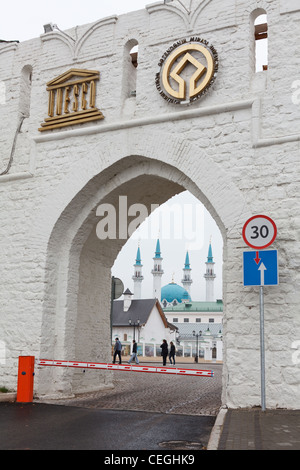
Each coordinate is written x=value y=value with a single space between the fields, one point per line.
x=171 y=313
x=142 y=320
x=195 y=312
x=204 y=319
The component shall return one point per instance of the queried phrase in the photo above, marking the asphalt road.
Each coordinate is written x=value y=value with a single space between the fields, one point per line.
x=54 y=427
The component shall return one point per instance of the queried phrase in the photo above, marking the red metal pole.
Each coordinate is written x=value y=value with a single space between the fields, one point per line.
x=25 y=379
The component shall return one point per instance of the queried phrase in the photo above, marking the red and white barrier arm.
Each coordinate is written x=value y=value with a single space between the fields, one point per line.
x=126 y=367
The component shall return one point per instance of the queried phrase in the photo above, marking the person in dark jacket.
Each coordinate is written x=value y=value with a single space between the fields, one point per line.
x=117 y=351
x=172 y=353
x=164 y=351
x=134 y=353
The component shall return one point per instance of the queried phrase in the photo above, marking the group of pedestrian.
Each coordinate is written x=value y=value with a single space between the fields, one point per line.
x=164 y=352
x=118 y=351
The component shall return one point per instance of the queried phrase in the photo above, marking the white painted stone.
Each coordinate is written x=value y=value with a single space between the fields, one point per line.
x=236 y=149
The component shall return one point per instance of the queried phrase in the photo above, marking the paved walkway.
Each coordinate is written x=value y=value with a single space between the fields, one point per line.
x=253 y=429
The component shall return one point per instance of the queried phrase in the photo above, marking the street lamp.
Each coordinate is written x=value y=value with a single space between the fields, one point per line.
x=134 y=325
x=197 y=336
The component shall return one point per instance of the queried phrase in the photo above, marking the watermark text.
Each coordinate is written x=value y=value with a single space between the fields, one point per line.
x=172 y=222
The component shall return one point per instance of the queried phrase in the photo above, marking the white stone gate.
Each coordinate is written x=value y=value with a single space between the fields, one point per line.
x=109 y=131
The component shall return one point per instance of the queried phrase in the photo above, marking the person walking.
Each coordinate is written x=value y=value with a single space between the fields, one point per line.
x=164 y=351
x=134 y=353
x=117 y=351
x=172 y=353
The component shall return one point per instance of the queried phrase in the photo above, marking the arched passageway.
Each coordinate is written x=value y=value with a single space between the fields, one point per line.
x=76 y=306
x=79 y=266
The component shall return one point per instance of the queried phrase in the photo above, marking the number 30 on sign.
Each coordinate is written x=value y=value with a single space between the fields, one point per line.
x=259 y=232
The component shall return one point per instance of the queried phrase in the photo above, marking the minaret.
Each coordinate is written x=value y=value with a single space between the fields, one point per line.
x=157 y=272
x=187 y=280
x=138 y=276
x=210 y=276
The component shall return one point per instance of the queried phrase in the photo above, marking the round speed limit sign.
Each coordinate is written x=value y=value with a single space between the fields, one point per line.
x=259 y=232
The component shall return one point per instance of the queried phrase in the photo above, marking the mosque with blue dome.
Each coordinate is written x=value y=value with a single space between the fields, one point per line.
x=195 y=326
x=173 y=294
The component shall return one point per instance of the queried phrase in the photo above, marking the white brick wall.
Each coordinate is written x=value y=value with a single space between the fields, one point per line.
x=236 y=149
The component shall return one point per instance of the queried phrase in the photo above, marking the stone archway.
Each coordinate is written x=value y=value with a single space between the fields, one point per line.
x=76 y=323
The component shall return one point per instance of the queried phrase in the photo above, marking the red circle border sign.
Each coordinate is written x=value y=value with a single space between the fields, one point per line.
x=258 y=217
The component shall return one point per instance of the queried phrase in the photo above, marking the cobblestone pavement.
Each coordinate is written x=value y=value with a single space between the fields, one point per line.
x=160 y=393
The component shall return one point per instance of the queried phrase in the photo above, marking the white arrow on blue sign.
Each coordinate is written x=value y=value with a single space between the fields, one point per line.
x=260 y=268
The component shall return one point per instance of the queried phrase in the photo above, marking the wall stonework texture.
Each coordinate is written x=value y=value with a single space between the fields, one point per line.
x=236 y=149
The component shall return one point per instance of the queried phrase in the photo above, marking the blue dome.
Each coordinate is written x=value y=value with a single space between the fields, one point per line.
x=173 y=292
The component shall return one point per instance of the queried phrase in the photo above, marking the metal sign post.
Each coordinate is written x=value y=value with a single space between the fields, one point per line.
x=262 y=350
x=117 y=289
x=260 y=268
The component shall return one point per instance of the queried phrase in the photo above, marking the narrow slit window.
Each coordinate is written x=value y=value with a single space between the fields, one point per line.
x=134 y=62
x=134 y=55
x=261 y=43
x=130 y=69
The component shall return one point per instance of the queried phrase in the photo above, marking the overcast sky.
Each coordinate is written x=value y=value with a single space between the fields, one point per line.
x=23 y=20
x=182 y=224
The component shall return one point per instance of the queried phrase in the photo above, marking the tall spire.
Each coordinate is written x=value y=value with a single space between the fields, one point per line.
x=187 y=261
x=157 y=272
x=138 y=276
x=138 y=261
x=210 y=258
x=187 y=280
x=210 y=275
x=157 y=251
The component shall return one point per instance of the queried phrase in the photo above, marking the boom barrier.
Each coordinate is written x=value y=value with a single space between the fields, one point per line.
x=127 y=367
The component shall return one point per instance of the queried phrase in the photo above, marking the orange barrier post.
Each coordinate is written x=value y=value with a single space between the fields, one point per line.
x=25 y=379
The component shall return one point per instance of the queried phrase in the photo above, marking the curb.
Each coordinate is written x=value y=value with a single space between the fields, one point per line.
x=10 y=397
x=216 y=432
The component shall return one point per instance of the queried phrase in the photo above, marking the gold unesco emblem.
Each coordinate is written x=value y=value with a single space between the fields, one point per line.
x=187 y=70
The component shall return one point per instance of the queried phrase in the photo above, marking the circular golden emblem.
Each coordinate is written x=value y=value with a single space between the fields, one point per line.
x=187 y=70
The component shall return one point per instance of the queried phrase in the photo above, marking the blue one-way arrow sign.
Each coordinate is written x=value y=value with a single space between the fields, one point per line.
x=260 y=268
